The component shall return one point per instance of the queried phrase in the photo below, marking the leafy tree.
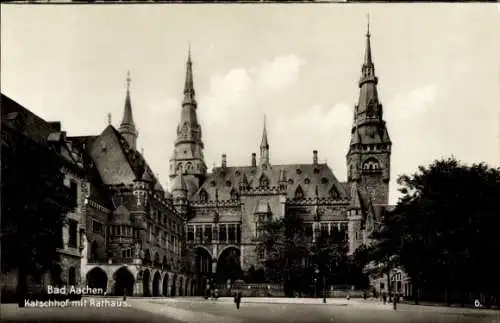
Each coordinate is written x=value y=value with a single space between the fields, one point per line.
x=384 y=251
x=446 y=220
x=330 y=254
x=283 y=244
x=34 y=203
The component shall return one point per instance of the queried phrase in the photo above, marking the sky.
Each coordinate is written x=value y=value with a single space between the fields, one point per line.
x=298 y=64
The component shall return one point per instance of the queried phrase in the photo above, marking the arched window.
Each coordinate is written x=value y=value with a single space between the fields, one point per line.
x=371 y=164
x=333 y=192
x=264 y=181
x=299 y=193
x=234 y=194
x=189 y=167
x=179 y=167
x=203 y=196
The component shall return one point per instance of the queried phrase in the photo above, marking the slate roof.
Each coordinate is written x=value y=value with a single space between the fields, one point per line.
x=309 y=177
x=25 y=121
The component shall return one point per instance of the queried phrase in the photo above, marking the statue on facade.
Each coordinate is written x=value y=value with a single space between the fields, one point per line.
x=137 y=251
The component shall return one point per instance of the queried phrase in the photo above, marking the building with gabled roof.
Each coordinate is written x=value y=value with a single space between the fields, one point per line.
x=226 y=206
x=139 y=238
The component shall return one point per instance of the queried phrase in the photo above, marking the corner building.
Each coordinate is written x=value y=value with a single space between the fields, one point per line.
x=134 y=241
x=224 y=208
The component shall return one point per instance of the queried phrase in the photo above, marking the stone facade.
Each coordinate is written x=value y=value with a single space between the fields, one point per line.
x=224 y=207
x=134 y=235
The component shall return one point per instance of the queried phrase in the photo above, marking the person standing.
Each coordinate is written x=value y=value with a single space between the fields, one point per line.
x=237 y=299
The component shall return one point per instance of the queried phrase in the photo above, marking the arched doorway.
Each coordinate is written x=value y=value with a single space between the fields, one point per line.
x=72 y=276
x=146 y=276
x=193 y=287
x=156 y=284
x=147 y=258
x=94 y=252
x=181 y=290
x=172 y=290
x=228 y=265
x=165 y=285
x=124 y=281
x=97 y=278
x=203 y=268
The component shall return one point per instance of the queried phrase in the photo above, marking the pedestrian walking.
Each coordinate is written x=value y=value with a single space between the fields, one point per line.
x=395 y=301
x=384 y=297
x=237 y=299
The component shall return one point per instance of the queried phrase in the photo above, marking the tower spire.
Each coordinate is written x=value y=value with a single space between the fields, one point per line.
x=189 y=93
x=127 y=126
x=264 y=147
x=370 y=142
x=368 y=48
x=187 y=157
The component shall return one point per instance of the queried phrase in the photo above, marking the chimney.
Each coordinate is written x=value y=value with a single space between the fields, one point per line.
x=224 y=161
x=315 y=157
x=254 y=160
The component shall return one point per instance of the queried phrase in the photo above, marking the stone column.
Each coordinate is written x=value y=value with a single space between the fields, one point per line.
x=160 y=287
x=227 y=233
x=169 y=285
x=110 y=285
x=65 y=235
x=138 y=288
x=195 y=236
x=314 y=231
x=329 y=228
x=214 y=266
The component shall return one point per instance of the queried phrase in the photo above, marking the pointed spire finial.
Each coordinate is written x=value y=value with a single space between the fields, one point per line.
x=368 y=25
x=189 y=51
x=109 y=118
x=264 y=144
x=129 y=79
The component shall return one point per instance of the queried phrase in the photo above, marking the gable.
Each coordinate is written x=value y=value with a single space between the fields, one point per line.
x=313 y=180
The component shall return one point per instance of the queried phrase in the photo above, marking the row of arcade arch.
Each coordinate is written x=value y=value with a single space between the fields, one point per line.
x=146 y=283
x=227 y=266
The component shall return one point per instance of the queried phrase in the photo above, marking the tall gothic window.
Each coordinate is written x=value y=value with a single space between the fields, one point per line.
x=299 y=193
x=203 y=196
x=234 y=194
x=189 y=167
x=334 y=193
x=264 y=181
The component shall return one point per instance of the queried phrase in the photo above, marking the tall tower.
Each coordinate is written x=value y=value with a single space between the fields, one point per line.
x=369 y=155
x=264 y=148
x=187 y=158
x=127 y=127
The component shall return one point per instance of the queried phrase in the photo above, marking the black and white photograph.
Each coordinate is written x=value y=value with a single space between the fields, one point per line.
x=248 y=163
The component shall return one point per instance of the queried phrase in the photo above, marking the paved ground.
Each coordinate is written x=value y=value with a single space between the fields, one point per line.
x=336 y=310
x=88 y=313
x=198 y=310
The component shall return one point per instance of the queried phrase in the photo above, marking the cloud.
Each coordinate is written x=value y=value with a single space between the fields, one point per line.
x=279 y=73
x=244 y=89
x=412 y=104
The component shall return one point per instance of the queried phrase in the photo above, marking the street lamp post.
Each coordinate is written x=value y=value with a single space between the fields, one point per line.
x=315 y=282
x=324 y=288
